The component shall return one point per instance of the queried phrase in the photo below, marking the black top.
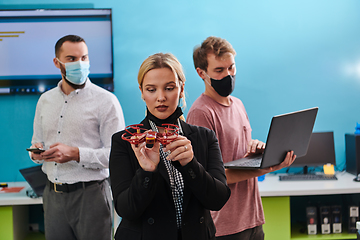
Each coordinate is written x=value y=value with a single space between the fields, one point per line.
x=144 y=201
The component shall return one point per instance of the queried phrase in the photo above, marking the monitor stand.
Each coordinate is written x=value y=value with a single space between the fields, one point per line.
x=357 y=179
x=305 y=170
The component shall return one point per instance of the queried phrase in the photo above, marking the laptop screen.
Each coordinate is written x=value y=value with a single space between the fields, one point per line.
x=36 y=178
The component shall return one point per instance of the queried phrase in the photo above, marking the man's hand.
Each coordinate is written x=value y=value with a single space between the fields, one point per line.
x=289 y=159
x=36 y=156
x=61 y=153
x=255 y=147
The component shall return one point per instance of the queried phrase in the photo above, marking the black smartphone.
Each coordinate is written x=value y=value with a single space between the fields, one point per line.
x=36 y=150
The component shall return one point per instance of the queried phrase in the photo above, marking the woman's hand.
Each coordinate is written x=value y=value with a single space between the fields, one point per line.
x=181 y=150
x=148 y=158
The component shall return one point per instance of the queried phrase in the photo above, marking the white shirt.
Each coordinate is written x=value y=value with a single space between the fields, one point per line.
x=86 y=118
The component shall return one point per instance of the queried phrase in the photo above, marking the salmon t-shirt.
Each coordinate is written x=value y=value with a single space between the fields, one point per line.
x=232 y=127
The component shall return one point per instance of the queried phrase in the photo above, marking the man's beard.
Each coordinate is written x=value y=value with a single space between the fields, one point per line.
x=74 y=86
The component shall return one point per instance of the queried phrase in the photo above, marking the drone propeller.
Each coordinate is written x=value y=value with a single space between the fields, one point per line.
x=169 y=134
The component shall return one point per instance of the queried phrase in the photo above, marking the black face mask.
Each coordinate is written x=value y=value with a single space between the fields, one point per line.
x=224 y=87
x=171 y=119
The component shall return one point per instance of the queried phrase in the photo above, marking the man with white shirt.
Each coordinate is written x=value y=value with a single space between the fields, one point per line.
x=74 y=123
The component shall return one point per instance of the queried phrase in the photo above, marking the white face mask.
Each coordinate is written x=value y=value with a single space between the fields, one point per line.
x=77 y=72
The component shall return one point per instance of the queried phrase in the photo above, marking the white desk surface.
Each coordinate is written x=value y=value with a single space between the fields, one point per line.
x=20 y=198
x=272 y=186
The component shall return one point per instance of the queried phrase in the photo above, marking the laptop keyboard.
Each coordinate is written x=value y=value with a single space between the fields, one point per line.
x=307 y=177
x=252 y=162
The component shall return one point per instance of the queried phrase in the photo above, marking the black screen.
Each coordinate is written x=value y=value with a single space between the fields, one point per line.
x=36 y=178
x=320 y=151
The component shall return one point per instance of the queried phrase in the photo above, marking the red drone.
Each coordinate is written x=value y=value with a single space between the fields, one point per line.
x=169 y=134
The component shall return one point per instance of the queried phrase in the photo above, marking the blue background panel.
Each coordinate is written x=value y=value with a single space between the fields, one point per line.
x=291 y=55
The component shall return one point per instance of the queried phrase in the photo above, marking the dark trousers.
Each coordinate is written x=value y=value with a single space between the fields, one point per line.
x=255 y=233
x=84 y=214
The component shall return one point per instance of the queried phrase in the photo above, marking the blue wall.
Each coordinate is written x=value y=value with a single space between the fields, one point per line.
x=291 y=55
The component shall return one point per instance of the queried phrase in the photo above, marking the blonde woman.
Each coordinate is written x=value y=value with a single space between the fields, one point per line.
x=167 y=192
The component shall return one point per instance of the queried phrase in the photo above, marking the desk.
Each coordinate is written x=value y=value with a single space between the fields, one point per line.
x=14 y=212
x=276 y=195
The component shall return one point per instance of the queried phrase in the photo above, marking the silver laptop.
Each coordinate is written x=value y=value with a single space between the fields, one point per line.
x=291 y=131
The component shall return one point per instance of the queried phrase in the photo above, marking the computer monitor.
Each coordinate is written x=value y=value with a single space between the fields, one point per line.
x=320 y=151
x=27 y=47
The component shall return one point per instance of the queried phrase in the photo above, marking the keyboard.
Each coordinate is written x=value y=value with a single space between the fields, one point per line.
x=307 y=177
x=251 y=163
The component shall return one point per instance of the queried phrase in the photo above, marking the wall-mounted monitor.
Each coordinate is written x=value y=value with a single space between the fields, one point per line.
x=27 y=47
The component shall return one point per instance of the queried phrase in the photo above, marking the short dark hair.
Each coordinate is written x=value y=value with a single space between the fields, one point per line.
x=215 y=45
x=70 y=38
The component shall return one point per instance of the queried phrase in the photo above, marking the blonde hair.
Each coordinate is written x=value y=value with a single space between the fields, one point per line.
x=163 y=60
